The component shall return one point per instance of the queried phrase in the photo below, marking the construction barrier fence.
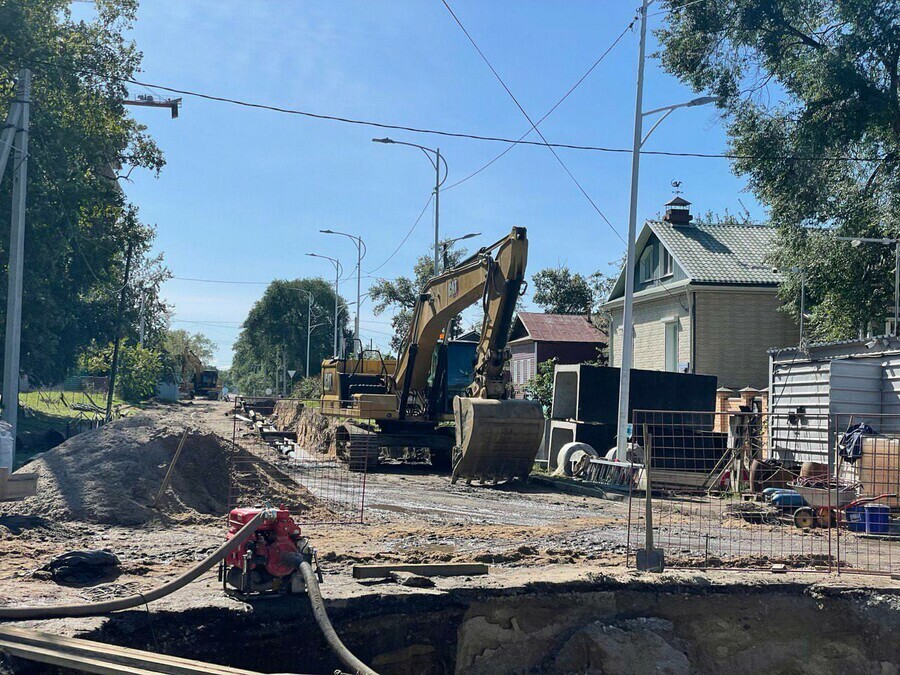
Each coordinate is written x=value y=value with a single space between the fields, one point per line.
x=286 y=453
x=753 y=489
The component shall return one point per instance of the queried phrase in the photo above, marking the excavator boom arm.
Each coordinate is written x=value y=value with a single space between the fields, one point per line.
x=495 y=275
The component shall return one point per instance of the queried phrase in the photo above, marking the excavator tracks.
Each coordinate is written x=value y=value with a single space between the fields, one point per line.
x=358 y=446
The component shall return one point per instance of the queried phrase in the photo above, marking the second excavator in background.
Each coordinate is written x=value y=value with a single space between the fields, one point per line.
x=447 y=396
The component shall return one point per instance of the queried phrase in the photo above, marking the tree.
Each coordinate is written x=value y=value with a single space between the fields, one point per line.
x=277 y=324
x=174 y=345
x=140 y=369
x=540 y=387
x=79 y=224
x=810 y=97
x=401 y=294
x=558 y=291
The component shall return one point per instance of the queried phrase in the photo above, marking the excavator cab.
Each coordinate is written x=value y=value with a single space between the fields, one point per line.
x=452 y=371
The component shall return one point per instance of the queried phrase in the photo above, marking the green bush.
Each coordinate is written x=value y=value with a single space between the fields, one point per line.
x=140 y=369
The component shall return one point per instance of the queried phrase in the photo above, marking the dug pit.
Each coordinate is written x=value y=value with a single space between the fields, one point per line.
x=598 y=626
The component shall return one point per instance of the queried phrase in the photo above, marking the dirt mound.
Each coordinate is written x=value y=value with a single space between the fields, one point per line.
x=287 y=414
x=315 y=431
x=112 y=476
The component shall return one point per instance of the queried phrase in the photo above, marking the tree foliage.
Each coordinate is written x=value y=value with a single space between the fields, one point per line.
x=78 y=224
x=174 y=345
x=540 y=387
x=558 y=291
x=140 y=369
x=279 y=321
x=401 y=294
x=810 y=95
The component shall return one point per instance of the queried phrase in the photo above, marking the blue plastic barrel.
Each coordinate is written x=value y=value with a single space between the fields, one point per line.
x=856 y=518
x=878 y=518
x=788 y=499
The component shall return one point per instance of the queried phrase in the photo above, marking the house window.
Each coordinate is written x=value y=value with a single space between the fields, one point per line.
x=666 y=263
x=645 y=266
x=672 y=346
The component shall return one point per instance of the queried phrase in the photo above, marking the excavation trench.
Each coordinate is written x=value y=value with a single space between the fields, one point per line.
x=599 y=627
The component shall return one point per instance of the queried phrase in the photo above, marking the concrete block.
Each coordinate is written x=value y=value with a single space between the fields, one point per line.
x=601 y=437
x=591 y=393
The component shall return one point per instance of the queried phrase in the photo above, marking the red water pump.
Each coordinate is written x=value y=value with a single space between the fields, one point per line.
x=269 y=560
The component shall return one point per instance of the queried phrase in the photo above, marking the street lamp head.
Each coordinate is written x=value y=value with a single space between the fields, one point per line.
x=704 y=100
x=327 y=231
x=470 y=235
x=382 y=140
x=856 y=243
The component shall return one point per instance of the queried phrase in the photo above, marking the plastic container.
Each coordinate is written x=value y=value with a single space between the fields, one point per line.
x=6 y=446
x=856 y=518
x=788 y=499
x=877 y=518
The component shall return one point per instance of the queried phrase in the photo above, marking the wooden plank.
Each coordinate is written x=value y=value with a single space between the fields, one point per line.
x=165 y=483
x=17 y=486
x=111 y=655
x=422 y=569
x=63 y=660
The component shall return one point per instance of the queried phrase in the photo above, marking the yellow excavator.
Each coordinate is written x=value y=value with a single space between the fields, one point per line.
x=444 y=395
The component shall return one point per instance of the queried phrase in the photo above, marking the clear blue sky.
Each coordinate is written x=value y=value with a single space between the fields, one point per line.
x=245 y=192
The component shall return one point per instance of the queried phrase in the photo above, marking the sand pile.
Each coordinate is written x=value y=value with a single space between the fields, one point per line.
x=287 y=414
x=112 y=475
x=315 y=431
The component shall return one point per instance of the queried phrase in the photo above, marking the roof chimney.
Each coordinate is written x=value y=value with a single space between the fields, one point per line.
x=678 y=212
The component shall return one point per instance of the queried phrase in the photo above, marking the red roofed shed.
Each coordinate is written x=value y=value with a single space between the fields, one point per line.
x=537 y=337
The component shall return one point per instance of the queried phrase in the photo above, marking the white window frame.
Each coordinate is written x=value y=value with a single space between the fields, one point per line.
x=666 y=263
x=670 y=352
x=645 y=265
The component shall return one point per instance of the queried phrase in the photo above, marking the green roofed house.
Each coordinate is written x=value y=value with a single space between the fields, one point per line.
x=705 y=300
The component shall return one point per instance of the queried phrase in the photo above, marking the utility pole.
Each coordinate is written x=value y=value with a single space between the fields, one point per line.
x=627 y=310
x=141 y=318
x=308 y=330
x=115 y=359
x=13 y=343
x=437 y=209
x=284 y=373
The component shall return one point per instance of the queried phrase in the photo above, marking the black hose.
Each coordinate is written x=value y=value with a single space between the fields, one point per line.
x=100 y=608
x=318 y=606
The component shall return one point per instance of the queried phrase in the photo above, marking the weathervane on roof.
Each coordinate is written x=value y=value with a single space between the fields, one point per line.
x=676 y=185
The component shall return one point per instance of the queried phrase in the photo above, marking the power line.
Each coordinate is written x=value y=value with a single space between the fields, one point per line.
x=223 y=281
x=400 y=245
x=549 y=112
x=469 y=136
x=530 y=121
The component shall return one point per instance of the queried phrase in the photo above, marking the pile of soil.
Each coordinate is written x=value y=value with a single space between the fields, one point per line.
x=315 y=431
x=112 y=475
x=287 y=414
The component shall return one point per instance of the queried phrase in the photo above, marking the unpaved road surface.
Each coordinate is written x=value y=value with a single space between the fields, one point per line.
x=528 y=534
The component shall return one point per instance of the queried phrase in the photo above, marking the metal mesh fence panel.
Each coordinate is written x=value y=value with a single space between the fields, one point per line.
x=723 y=488
x=286 y=453
x=867 y=469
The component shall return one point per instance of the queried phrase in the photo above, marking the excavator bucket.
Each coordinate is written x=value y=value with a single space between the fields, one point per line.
x=496 y=440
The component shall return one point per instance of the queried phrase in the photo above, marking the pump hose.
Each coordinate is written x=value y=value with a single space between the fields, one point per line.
x=100 y=608
x=318 y=606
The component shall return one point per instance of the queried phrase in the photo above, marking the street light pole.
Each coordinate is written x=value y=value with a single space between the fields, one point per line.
x=338 y=270
x=360 y=254
x=438 y=182
x=447 y=244
x=887 y=241
x=628 y=307
x=638 y=141
x=308 y=330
